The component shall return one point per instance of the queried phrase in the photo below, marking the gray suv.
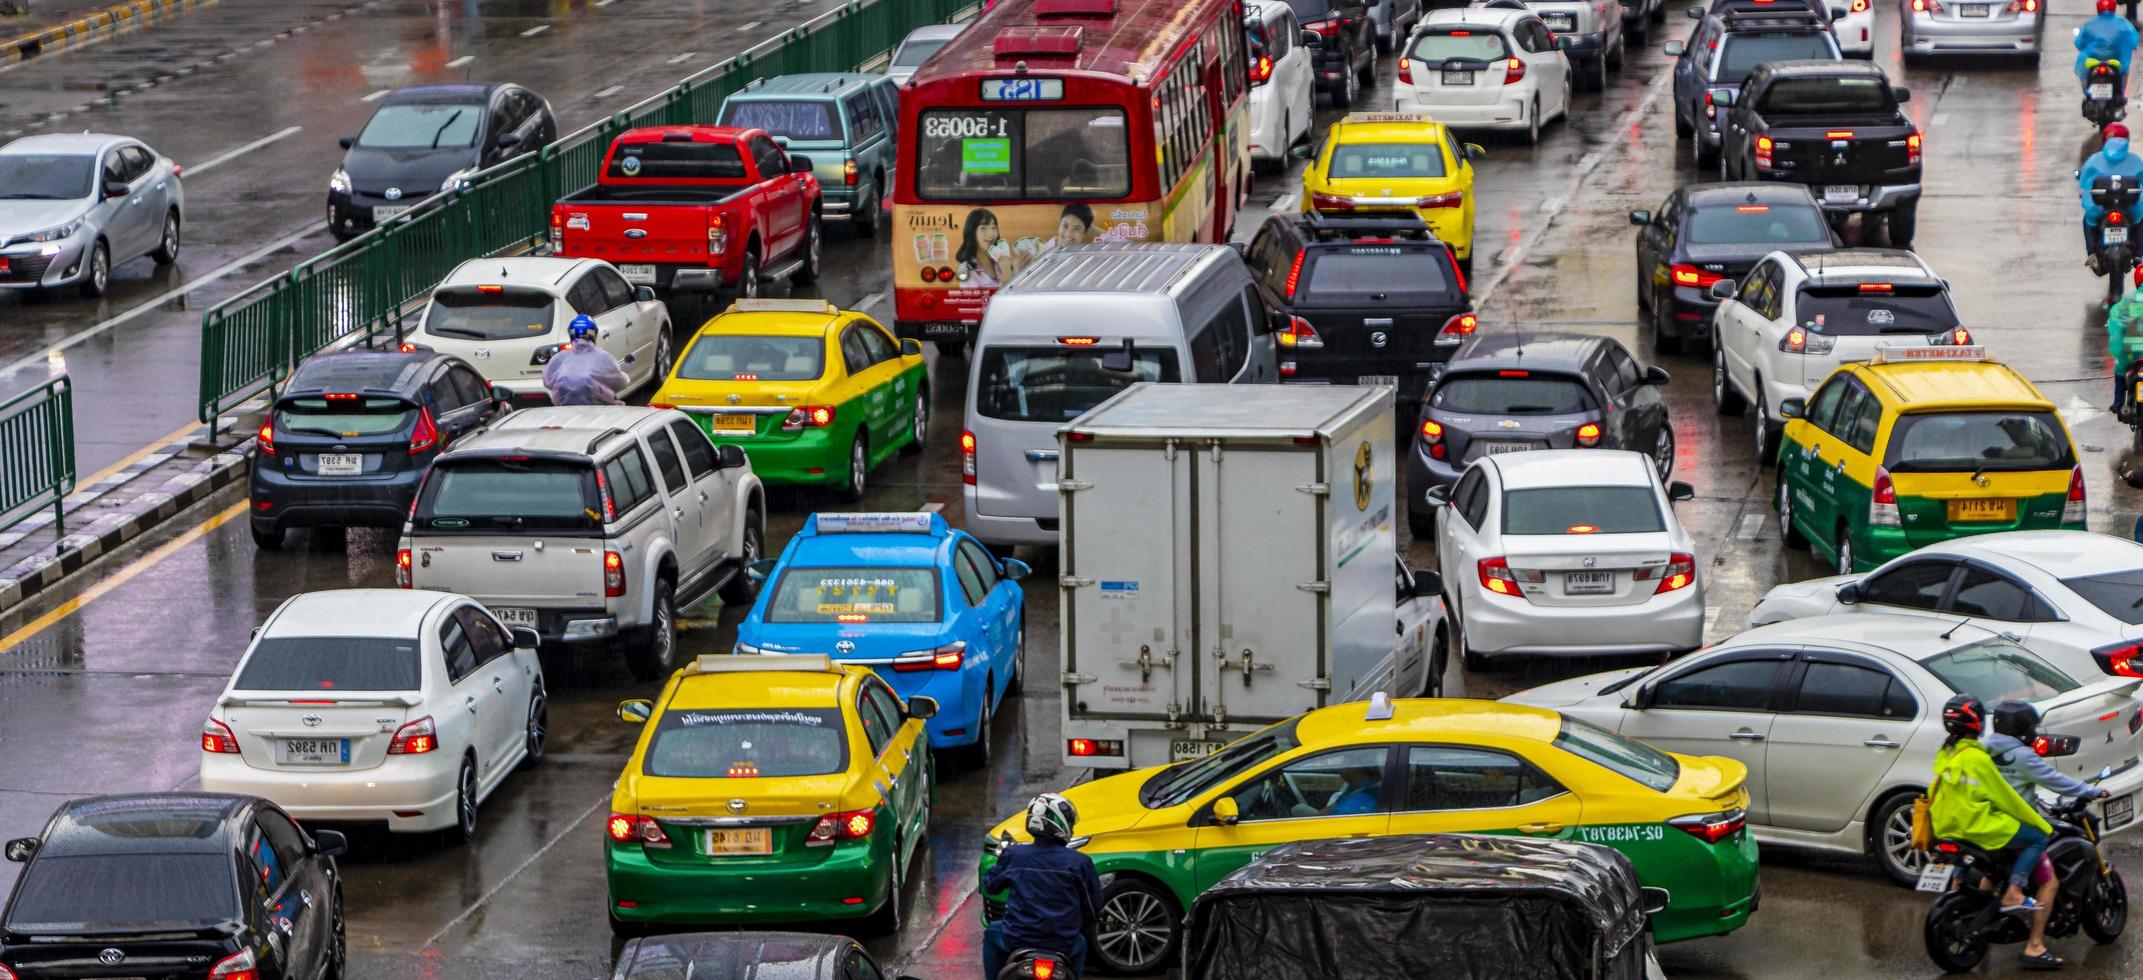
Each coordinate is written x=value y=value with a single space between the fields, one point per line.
x=74 y=205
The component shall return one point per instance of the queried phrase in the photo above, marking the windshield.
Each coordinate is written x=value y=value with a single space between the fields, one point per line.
x=1975 y=442
x=1828 y=97
x=1311 y=11
x=497 y=314
x=1757 y=224
x=342 y=417
x=1531 y=394
x=1384 y=273
x=750 y=357
x=1627 y=757
x=1183 y=781
x=27 y=177
x=917 y=50
x=1743 y=52
x=131 y=892
x=1058 y=384
x=1847 y=311
x=512 y=494
x=797 y=119
x=1381 y=161
x=765 y=744
x=330 y=663
x=876 y=594
x=997 y=153
x=422 y=126
x=2117 y=594
x=1997 y=670
x=1582 y=510
x=1461 y=46
x=676 y=161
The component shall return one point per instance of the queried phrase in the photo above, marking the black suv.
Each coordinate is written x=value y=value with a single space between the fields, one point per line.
x=351 y=434
x=1345 y=56
x=1724 y=48
x=174 y=885
x=1374 y=300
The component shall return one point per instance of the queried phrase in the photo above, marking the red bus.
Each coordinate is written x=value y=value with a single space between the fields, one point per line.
x=1052 y=122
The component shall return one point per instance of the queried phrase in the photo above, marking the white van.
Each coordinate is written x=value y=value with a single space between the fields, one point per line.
x=1083 y=323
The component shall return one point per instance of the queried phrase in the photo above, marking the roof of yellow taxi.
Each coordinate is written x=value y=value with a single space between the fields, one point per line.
x=1431 y=718
x=1951 y=384
x=761 y=689
x=1429 y=131
x=774 y=323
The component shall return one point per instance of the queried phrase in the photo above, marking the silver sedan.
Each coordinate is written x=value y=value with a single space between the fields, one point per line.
x=1977 y=27
x=72 y=206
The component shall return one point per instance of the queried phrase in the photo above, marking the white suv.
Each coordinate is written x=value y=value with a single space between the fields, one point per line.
x=1491 y=67
x=1787 y=325
x=589 y=524
x=506 y=317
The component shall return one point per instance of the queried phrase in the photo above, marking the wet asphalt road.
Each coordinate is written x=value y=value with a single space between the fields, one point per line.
x=104 y=691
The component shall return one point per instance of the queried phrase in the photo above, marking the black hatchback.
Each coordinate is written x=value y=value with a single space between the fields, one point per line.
x=425 y=138
x=1703 y=233
x=351 y=434
x=176 y=886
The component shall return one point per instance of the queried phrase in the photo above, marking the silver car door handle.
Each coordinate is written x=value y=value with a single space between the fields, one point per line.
x=305 y=899
x=1879 y=742
x=703 y=496
x=500 y=683
x=677 y=512
x=469 y=703
x=1746 y=736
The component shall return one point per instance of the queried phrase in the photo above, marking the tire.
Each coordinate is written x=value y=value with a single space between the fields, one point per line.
x=808 y=273
x=1532 y=128
x=1422 y=524
x=859 y=471
x=886 y=920
x=1663 y=339
x=338 y=954
x=977 y=756
x=1366 y=76
x=1350 y=87
x=665 y=352
x=1439 y=662
x=918 y=423
x=1787 y=532
x=1614 y=57
x=1762 y=433
x=1890 y=839
x=739 y=590
x=863 y=221
x=1903 y=221
x=1683 y=128
x=1018 y=684
x=1663 y=451
x=1138 y=930
x=1596 y=76
x=99 y=274
x=748 y=282
x=1727 y=400
x=1659 y=13
x=653 y=653
x=536 y=733
x=1843 y=547
x=167 y=247
x=267 y=540
x=1469 y=658
x=2105 y=908
x=1706 y=157
x=1949 y=914
x=623 y=929
x=464 y=829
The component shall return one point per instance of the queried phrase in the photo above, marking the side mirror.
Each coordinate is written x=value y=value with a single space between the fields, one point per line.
x=1726 y=97
x=1016 y=569
x=1901 y=93
x=637 y=710
x=761 y=570
x=799 y=165
x=922 y=707
x=1695 y=13
x=1724 y=289
x=911 y=347
x=1303 y=152
x=526 y=639
x=1428 y=585
x=731 y=456
x=1312 y=39
x=644 y=294
x=1225 y=812
x=1640 y=218
x=1679 y=491
x=1792 y=408
x=1849 y=593
x=1674 y=49
x=1655 y=899
x=347 y=142
x=1438 y=496
x=330 y=843
x=117 y=188
x=20 y=849
x=1656 y=375
x=1475 y=151
x=508 y=140
x=1641 y=698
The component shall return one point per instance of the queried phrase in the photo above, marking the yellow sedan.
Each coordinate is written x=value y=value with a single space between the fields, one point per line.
x=1397 y=161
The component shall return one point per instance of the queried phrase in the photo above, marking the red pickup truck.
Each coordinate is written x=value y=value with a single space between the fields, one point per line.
x=696 y=208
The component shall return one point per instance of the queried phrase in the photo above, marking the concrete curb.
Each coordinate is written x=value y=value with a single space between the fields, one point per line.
x=107 y=21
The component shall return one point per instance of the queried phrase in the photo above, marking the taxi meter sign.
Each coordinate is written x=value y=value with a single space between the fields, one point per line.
x=896 y=522
x=1896 y=355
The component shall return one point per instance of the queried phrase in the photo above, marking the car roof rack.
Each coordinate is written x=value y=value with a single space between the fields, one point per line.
x=1327 y=227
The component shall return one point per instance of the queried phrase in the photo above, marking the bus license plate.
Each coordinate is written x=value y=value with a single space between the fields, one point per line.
x=1588 y=583
x=2120 y=812
x=642 y=274
x=315 y=752
x=516 y=617
x=1983 y=509
x=750 y=840
x=1182 y=749
x=1935 y=878
x=2099 y=90
x=341 y=464
x=2116 y=236
x=1458 y=78
x=743 y=424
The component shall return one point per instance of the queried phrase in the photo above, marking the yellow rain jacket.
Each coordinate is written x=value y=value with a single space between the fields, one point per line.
x=1970 y=801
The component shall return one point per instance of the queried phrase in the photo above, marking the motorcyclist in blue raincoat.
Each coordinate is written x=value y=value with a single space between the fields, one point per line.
x=2112 y=158
x=2106 y=37
x=582 y=373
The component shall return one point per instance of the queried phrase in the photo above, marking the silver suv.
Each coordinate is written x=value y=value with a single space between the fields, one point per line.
x=74 y=205
x=1588 y=31
x=589 y=524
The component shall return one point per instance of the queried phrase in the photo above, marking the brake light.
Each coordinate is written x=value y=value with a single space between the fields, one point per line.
x=1927 y=6
x=613 y=574
x=1496 y=576
x=216 y=737
x=811 y=416
x=2115 y=218
x=264 y=440
x=1432 y=435
x=2123 y=659
x=1912 y=149
x=1450 y=200
x=717 y=235
x=401 y=569
x=1261 y=70
x=631 y=828
x=1299 y=335
x=1087 y=747
x=414 y=738
x=1406 y=71
x=1956 y=337
x=1457 y=329
x=1688 y=275
x=1044 y=968
x=1711 y=109
x=426 y=434
x=2072 y=512
x=831 y=827
x=1588 y=435
x=1861 y=6
x=238 y=966
x=1324 y=28
x=1712 y=828
x=1458 y=275
x=602 y=490
x=1882 y=506
x=1294 y=273
x=848 y=172
x=1513 y=70
x=1331 y=202
x=1078 y=341
x=947 y=657
x=967 y=458
x=1799 y=341
x=1763 y=151
x=1680 y=573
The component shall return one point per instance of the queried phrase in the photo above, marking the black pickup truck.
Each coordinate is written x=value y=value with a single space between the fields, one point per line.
x=1836 y=126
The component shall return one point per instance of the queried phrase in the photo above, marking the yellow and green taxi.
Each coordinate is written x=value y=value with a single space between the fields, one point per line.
x=1397 y=161
x=1436 y=765
x=1919 y=445
x=814 y=394
x=768 y=789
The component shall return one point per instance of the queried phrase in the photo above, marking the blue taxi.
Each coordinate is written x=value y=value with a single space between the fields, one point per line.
x=927 y=606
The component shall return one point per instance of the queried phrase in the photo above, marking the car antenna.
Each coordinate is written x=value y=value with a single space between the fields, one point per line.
x=1962 y=623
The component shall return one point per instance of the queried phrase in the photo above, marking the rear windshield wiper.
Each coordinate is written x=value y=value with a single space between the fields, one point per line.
x=314 y=429
x=459 y=332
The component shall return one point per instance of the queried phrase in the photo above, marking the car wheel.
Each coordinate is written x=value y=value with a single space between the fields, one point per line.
x=1663 y=339
x=167 y=247
x=748 y=282
x=536 y=734
x=1901 y=224
x=1723 y=396
x=1532 y=125
x=338 y=954
x=859 y=471
x=1787 y=532
x=1366 y=75
x=1706 y=157
x=808 y=273
x=1614 y=57
x=918 y=423
x=651 y=657
x=623 y=929
x=1663 y=451
x=1890 y=839
x=1422 y=523
x=977 y=756
x=864 y=219
x=1659 y=13
x=739 y=590
x=464 y=829
x=1439 y=662
x=1018 y=684
x=1952 y=933
x=1467 y=656
x=1350 y=86
x=886 y=921
x=1599 y=74
x=267 y=540
x=1844 y=549
x=1683 y=128
x=1761 y=430
x=1138 y=928
x=100 y=272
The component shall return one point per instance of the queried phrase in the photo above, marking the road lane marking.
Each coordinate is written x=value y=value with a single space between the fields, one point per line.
x=134 y=457
x=605 y=93
x=1285 y=204
x=533 y=31
x=228 y=155
x=604 y=3
x=237 y=264
x=1751 y=525
x=376 y=96
x=569 y=828
x=107 y=584
x=869 y=301
x=681 y=59
x=463 y=60
x=748 y=26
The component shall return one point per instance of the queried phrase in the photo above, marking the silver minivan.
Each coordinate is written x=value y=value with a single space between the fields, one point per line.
x=1080 y=324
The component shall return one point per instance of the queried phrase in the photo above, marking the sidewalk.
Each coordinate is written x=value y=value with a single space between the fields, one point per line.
x=52 y=24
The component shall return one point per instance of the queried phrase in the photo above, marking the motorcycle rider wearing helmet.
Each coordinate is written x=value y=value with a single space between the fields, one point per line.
x=1052 y=895
x=2112 y=158
x=2108 y=37
x=2016 y=724
x=2123 y=321
x=582 y=373
x=1970 y=801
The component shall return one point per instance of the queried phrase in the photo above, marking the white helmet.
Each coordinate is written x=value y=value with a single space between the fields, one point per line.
x=1051 y=817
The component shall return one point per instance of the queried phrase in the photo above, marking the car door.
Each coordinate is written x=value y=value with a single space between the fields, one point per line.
x=1627 y=420
x=1459 y=530
x=506 y=690
x=291 y=887
x=1741 y=322
x=624 y=314
x=1834 y=740
x=1647 y=409
x=712 y=496
x=1913 y=587
x=907 y=776
x=1845 y=479
x=1999 y=602
x=694 y=538
x=473 y=404
x=1474 y=789
x=1806 y=448
x=122 y=220
x=999 y=609
x=151 y=197
x=1723 y=704
x=785 y=202
x=889 y=378
x=1335 y=793
x=466 y=719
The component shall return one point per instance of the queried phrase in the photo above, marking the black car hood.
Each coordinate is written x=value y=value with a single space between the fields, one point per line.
x=417 y=172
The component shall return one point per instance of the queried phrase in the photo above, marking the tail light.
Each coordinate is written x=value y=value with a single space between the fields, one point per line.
x=1299 y=335
x=602 y=493
x=239 y=966
x=1457 y=329
x=264 y=440
x=401 y=569
x=1331 y=202
x=853 y=825
x=2123 y=659
x=2072 y=512
x=2116 y=218
x=967 y=458
x=1086 y=748
x=1799 y=340
x=2022 y=7
x=1953 y=337
x=1763 y=152
x=1685 y=274
x=1861 y=6
x=543 y=354
x=1406 y=71
x=1912 y=149
x=1323 y=28
x=1458 y=275
x=1451 y=200
x=1432 y=435
x=1882 y=506
x=848 y=172
x=1294 y=273
x=808 y=416
x=216 y=737
x=947 y=657
x=632 y=828
x=1261 y=70
x=717 y=234
x=1497 y=577
x=2056 y=746
x=1043 y=968
x=416 y=738
x=426 y=434
x=1712 y=828
x=613 y=574
x=557 y=238
x=1679 y=573
x=1929 y=7
x=1588 y=435
x=1711 y=109
x=1513 y=70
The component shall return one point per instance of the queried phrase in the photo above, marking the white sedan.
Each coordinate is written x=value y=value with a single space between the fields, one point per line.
x=1567 y=551
x=1839 y=718
x=506 y=317
x=378 y=705
x=2074 y=596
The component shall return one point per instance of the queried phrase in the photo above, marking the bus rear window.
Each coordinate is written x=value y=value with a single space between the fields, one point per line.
x=993 y=153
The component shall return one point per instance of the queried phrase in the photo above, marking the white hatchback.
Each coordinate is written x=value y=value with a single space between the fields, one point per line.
x=1567 y=551
x=1283 y=82
x=506 y=317
x=378 y=705
x=1484 y=68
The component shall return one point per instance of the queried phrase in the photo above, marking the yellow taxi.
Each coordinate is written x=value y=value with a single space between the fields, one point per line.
x=771 y=788
x=1434 y=765
x=1918 y=445
x=1397 y=161
x=814 y=394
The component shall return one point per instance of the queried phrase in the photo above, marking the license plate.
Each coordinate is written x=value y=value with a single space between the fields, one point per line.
x=2097 y=90
x=315 y=752
x=934 y=329
x=642 y=274
x=1935 y=878
x=1841 y=192
x=1972 y=9
x=735 y=423
x=516 y=617
x=341 y=464
x=1499 y=448
x=1182 y=749
x=2116 y=236
x=1983 y=509
x=386 y=211
x=1560 y=22
x=2120 y=811
x=1588 y=583
x=751 y=840
x=1458 y=78
x=1391 y=380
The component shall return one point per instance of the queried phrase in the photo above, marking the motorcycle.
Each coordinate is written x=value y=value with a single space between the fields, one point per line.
x=1029 y=963
x=2100 y=103
x=1968 y=916
x=2116 y=195
x=2130 y=465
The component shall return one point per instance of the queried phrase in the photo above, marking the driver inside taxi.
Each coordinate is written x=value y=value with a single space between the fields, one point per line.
x=1359 y=795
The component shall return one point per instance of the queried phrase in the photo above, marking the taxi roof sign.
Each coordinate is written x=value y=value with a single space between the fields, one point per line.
x=880 y=522
x=1899 y=355
x=1386 y=117
x=784 y=306
x=743 y=663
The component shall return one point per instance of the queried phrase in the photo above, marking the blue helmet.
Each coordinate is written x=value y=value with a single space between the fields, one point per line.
x=582 y=327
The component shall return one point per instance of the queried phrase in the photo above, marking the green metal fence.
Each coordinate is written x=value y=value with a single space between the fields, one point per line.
x=360 y=291
x=37 y=452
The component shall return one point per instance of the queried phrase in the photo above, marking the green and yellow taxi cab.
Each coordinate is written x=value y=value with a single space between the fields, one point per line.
x=1397 y=161
x=814 y=394
x=776 y=788
x=1918 y=445
x=1436 y=765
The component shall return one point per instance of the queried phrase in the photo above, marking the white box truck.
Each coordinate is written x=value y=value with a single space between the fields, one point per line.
x=1228 y=560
